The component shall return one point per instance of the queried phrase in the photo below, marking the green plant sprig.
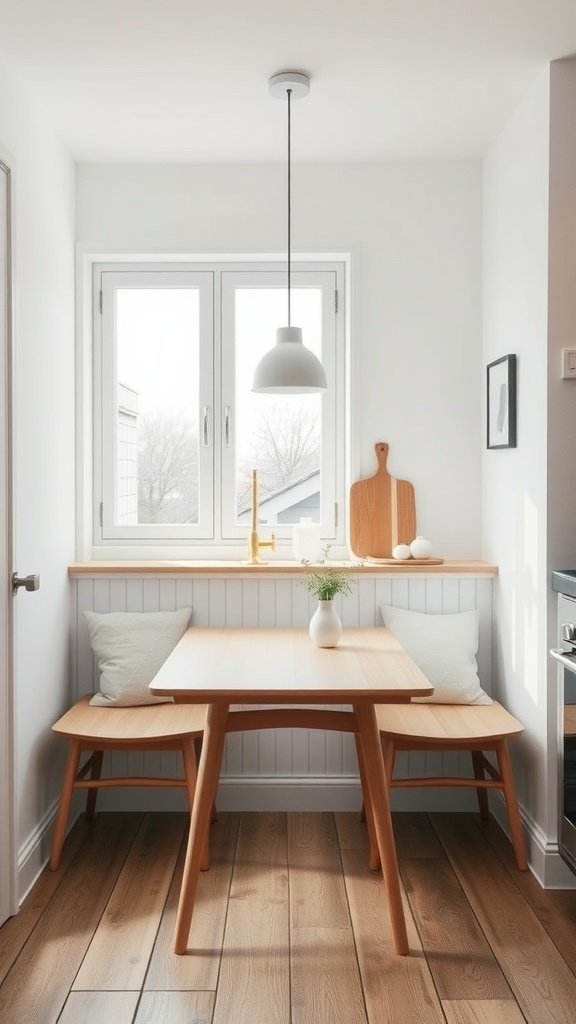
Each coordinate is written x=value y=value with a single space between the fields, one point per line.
x=325 y=583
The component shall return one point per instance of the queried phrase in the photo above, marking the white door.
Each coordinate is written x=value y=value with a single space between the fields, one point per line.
x=7 y=831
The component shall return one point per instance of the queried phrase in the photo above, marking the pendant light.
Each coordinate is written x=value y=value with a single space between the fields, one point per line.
x=289 y=368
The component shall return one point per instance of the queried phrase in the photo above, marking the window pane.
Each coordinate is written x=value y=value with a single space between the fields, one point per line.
x=279 y=435
x=157 y=337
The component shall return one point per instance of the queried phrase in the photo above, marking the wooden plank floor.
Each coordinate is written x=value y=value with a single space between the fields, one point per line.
x=290 y=927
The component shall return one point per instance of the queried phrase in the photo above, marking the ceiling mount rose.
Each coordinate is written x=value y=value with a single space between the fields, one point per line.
x=296 y=81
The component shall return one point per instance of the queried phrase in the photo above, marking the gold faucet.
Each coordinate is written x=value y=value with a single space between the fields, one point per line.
x=254 y=542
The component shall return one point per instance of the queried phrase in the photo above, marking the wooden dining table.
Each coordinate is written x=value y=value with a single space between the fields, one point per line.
x=281 y=674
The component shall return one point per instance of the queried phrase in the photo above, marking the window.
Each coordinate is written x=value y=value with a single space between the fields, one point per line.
x=178 y=430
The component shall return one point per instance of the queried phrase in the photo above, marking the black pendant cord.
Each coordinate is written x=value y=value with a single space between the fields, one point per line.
x=289 y=94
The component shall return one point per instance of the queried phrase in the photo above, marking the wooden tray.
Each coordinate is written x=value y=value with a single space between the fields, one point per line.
x=407 y=562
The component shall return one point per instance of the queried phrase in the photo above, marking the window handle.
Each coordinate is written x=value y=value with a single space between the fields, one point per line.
x=227 y=425
x=205 y=432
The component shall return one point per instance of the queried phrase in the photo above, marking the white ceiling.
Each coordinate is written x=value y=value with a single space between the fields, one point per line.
x=186 y=80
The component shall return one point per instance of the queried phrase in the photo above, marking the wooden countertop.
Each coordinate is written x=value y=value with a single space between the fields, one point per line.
x=192 y=567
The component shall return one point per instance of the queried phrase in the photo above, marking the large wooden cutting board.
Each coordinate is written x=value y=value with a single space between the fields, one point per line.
x=382 y=511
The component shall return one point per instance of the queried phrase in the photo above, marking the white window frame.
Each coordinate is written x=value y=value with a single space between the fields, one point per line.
x=327 y=281
x=106 y=420
x=215 y=535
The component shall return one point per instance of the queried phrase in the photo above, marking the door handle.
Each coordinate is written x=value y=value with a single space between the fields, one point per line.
x=31 y=582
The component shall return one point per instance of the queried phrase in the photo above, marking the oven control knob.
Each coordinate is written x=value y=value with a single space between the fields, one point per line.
x=569 y=632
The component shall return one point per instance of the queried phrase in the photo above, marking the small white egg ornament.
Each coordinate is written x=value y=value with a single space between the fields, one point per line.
x=401 y=552
x=421 y=548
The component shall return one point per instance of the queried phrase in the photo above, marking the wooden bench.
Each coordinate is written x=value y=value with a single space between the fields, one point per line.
x=478 y=728
x=146 y=727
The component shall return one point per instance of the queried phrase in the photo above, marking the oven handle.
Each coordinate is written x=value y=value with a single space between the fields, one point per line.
x=567 y=660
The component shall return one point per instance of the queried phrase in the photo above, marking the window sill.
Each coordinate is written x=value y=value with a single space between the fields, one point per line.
x=193 y=567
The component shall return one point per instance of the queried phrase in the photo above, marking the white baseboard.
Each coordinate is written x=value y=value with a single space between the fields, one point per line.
x=34 y=853
x=544 y=858
x=322 y=793
x=246 y=793
x=289 y=794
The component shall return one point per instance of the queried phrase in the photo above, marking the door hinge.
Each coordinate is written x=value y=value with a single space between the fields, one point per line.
x=101 y=513
x=101 y=301
x=335 y=513
x=336 y=301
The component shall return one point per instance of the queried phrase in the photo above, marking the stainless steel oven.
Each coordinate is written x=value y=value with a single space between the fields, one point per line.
x=565 y=654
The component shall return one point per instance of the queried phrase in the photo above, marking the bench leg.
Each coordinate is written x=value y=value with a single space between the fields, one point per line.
x=509 y=788
x=92 y=794
x=70 y=773
x=481 y=793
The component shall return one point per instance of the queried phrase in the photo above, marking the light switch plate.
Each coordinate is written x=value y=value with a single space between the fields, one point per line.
x=569 y=363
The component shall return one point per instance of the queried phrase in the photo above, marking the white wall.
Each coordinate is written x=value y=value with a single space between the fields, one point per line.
x=414 y=232
x=44 y=450
x=520 y=513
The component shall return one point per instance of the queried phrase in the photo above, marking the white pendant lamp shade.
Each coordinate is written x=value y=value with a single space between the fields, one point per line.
x=289 y=368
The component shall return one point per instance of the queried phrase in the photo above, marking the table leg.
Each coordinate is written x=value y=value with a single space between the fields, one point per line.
x=208 y=775
x=380 y=802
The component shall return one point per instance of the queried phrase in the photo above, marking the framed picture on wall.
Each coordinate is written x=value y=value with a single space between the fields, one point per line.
x=501 y=403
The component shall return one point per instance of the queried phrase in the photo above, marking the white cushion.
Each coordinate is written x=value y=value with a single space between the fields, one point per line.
x=444 y=647
x=130 y=647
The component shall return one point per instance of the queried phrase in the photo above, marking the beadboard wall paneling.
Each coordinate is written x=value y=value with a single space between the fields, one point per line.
x=283 y=768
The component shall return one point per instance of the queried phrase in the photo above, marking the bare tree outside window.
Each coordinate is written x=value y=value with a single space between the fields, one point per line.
x=167 y=469
x=285 y=447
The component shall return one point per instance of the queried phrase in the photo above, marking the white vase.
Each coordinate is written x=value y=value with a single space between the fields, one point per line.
x=401 y=552
x=325 y=626
x=421 y=548
x=307 y=540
